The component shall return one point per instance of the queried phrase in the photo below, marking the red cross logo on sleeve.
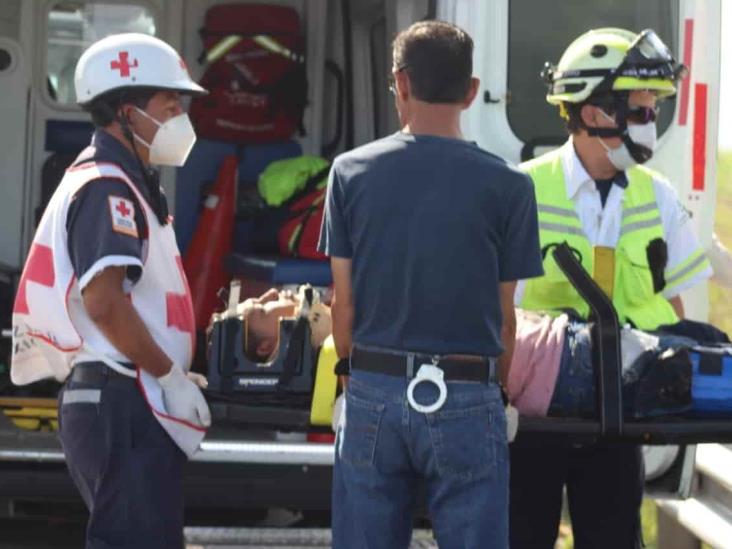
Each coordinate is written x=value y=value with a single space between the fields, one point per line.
x=179 y=307
x=123 y=209
x=123 y=65
x=38 y=269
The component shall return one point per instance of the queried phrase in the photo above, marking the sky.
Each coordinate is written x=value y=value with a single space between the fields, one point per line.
x=725 y=89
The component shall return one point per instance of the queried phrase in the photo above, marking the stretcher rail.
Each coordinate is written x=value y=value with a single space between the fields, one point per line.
x=661 y=432
x=610 y=425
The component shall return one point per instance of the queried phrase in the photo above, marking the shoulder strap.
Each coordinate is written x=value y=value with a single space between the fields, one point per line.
x=310 y=185
x=109 y=170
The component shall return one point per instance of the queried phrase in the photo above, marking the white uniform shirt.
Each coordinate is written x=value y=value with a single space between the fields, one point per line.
x=602 y=225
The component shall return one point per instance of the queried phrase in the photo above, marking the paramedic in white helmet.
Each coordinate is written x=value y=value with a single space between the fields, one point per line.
x=103 y=303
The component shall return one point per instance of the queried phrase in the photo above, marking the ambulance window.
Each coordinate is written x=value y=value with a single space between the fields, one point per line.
x=73 y=26
x=540 y=31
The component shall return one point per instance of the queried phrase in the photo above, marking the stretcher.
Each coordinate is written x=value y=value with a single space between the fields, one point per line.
x=609 y=423
x=284 y=393
x=294 y=391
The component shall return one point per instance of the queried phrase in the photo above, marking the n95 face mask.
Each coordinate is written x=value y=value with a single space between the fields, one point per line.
x=641 y=138
x=172 y=142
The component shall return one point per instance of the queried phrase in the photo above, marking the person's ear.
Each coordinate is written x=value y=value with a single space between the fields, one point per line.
x=472 y=92
x=403 y=85
x=590 y=116
x=127 y=112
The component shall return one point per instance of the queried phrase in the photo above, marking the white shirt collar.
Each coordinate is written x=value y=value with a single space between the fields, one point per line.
x=575 y=174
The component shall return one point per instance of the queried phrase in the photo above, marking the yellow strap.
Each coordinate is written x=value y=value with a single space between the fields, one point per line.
x=603 y=268
x=37 y=413
x=30 y=402
x=270 y=44
x=326 y=382
x=266 y=42
x=220 y=49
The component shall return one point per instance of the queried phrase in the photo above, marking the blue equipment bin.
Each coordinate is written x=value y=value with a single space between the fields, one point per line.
x=279 y=270
x=711 y=384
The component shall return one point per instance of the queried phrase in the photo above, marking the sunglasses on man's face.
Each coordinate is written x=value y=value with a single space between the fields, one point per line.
x=642 y=115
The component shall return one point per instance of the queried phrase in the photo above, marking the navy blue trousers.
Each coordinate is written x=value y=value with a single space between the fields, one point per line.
x=604 y=490
x=126 y=467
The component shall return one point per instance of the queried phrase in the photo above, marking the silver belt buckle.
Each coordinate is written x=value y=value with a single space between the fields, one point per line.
x=435 y=375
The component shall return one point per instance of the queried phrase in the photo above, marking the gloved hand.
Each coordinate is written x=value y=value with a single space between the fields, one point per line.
x=183 y=399
x=339 y=408
x=200 y=380
x=512 y=421
x=339 y=421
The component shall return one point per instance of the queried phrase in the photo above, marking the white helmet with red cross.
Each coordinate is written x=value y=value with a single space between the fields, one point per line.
x=128 y=61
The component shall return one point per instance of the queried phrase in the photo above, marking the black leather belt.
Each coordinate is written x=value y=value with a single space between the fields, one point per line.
x=405 y=364
x=94 y=373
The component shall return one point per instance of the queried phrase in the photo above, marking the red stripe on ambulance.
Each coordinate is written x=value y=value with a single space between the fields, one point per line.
x=700 y=137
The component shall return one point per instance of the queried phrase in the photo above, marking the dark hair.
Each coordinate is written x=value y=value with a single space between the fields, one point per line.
x=103 y=108
x=574 y=121
x=438 y=59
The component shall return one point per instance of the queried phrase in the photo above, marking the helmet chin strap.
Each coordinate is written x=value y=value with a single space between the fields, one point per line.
x=149 y=175
x=639 y=153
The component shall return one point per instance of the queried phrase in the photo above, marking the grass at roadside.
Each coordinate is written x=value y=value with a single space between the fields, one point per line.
x=648 y=518
x=720 y=299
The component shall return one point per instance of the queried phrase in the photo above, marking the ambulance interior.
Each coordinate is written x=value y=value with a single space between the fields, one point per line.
x=345 y=55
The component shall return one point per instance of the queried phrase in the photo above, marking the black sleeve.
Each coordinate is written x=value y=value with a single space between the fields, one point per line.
x=105 y=227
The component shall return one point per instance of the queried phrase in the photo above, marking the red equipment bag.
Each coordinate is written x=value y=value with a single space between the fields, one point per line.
x=204 y=260
x=255 y=76
x=298 y=236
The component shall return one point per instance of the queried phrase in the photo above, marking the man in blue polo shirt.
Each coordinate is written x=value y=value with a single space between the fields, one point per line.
x=427 y=234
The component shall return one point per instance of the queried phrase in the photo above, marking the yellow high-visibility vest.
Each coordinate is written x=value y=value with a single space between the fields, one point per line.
x=631 y=283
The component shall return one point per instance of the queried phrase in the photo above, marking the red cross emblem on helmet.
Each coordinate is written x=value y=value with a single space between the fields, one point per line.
x=123 y=65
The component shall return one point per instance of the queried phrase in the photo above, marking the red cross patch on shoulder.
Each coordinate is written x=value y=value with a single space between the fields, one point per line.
x=122 y=211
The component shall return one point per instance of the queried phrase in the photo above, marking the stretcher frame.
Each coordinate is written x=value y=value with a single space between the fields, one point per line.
x=610 y=424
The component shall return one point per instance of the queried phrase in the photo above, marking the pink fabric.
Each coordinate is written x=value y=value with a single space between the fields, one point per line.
x=536 y=360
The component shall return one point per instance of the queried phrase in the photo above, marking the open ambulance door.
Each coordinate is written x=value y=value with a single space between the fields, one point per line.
x=53 y=35
x=513 y=39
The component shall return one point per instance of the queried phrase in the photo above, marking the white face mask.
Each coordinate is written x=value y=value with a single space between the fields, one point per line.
x=644 y=135
x=172 y=142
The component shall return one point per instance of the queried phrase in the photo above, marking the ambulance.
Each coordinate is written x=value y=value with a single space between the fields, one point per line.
x=343 y=49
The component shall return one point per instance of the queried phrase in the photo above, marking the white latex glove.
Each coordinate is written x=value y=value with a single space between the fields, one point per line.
x=721 y=259
x=200 y=380
x=183 y=399
x=338 y=415
x=512 y=421
x=339 y=421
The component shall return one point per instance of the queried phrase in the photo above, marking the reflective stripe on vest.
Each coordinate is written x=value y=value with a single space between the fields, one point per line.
x=689 y=268
x=641 y=223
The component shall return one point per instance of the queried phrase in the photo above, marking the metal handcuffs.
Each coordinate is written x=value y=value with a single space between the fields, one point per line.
x=435 y=375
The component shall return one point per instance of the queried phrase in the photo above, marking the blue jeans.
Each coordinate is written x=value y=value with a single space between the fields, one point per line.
x=459 y=454
x=574 y=391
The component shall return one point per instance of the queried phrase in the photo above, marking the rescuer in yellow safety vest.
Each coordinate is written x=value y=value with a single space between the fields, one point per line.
x=628 y=228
